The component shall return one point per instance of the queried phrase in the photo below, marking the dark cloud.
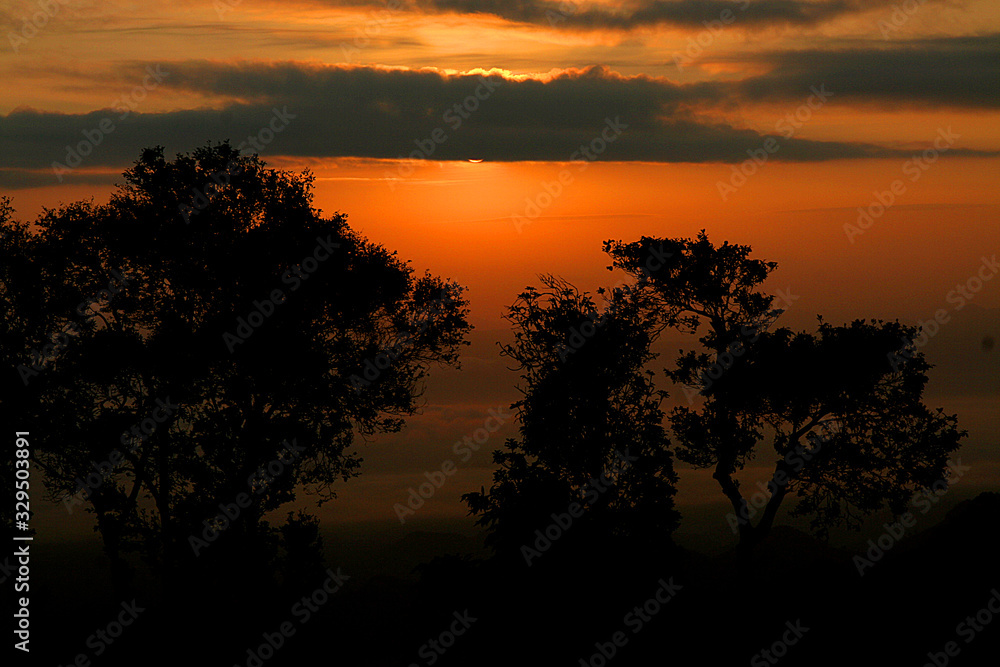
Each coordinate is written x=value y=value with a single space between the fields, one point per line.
x=325 y=111
x=630 y=15
x=942 y=72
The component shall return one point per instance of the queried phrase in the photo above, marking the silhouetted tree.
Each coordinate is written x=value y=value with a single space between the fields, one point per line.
x=303 y=546
x=222 y=337
x=589 y=408
x=16 y=323
x=843 y=415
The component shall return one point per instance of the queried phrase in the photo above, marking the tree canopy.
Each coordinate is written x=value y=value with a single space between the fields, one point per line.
x=208 y=333
x=592 y=444
x=845 y=420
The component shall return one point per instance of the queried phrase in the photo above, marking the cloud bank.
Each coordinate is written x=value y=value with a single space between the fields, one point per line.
x=378 y=112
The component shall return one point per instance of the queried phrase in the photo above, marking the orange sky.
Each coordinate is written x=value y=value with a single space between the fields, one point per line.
x=898 y=84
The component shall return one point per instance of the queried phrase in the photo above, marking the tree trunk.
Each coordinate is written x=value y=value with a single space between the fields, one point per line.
x=111 y=534
x=163 y=482
x=749 y=535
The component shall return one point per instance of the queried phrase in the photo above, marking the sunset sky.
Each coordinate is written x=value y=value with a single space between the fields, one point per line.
x=765 y=122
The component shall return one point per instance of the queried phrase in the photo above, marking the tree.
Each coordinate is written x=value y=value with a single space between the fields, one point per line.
x=844 y=417
x=589 y=409
x=13 y=398
x=209 y=336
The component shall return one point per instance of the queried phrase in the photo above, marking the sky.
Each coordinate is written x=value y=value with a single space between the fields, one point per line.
x=854 y=143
